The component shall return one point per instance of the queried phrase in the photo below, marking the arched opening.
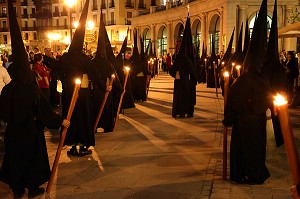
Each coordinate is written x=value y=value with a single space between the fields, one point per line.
x=252 y=21
x=146 y=37
x=214 y=33
x=196 y=32
x=162 y=41
x=178 y=34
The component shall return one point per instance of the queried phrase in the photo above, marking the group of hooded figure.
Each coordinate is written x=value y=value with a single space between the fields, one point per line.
x=27 y=112
x=250 y=92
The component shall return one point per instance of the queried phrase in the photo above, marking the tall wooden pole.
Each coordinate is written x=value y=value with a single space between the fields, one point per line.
x=63 y=134
x=289 y=140
x=122 y=95
x=226 y=86
x=103 y=103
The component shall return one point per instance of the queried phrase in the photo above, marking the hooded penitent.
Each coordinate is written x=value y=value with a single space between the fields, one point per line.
x=26 y=112
x=184 y=97
x=248 y=99
x=274 y=71
x=246 y=39
x=105 y=69
x=138 y=75
x=211 y=64
x=201 y=75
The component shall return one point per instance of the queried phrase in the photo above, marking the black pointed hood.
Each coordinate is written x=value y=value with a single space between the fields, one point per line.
x=124 y=46
x=21 y=71
x=246 y=39
x=136 y=65
x=228 y=52
x=257 y=48
x=239 y=47
x=101 y=48
x=78 y=39
x=272 y=69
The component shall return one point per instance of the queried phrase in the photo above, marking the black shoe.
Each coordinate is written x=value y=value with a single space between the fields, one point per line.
x=35 y=192
x=73 y=151
x=19 y=193
x=84 y=151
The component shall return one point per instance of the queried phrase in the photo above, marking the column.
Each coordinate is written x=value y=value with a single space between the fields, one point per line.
x=203 y=30
x=153 y=35
x=287 y=41
x=170 y=40
x=221 y=43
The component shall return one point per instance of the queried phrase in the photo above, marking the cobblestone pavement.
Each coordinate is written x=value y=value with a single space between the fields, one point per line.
x=154 y=156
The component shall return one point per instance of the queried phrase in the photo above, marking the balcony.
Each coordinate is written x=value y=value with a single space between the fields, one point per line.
x=3 y=15
x=103 y=6
x=64 y=13
x=110 y=22
x=56 y=14
x=44 y=15
x=144 y=12
x=24 y=3
x=175 y=4
x=28 y=29
x=3 y=29
x=25 y=16
x=112 y=4
x=127 y=22
x=160 y=8
x=129 y=5
x=32 y=15
x=142 y=6
x=94 y=7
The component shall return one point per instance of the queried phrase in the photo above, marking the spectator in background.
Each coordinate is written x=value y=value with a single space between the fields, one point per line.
x=4 y=78
x=292 y=74
x=42 y=74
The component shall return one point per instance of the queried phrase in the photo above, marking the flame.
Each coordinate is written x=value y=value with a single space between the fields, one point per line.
x=78 y=81
x=280 y=100
x=226 y=74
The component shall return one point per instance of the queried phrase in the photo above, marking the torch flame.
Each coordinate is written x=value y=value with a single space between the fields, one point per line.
x=127 y=69
x=238 y=67
x=77 y=81
x=226 y=74
x=279 y=100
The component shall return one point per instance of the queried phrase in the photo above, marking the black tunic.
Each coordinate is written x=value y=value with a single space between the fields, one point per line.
x=248 y=99
x=26 y=112
x=72 y=66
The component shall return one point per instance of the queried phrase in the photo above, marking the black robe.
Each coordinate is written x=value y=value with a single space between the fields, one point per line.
x=72 y=66
x=248 y=99
x=26 y=112
x=184 y=96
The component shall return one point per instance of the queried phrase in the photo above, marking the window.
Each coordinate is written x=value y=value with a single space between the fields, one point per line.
x=35 y=36
x=4 y=24
x=95 y=19
x=56 y=9
x=26 y=24
x=25 y=11
x=4 y=12
x=33 y=11
x=26 y=36
x=5 y=39
x=57 y=22
x=34 y=24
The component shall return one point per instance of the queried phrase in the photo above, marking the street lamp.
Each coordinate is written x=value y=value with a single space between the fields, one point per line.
x=70 y=3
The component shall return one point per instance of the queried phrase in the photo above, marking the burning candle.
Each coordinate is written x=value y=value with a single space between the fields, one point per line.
x=238 y=71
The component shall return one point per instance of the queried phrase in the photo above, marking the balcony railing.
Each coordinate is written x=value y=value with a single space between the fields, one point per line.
x=144 y=12
x=127 y=22
x=175 y=4
x=142 y=5
x=44 y=15
x=129 y=5
x=160 y=8
x=28 y=28
x=112 y=4
x=3 y=15
x=56 y=14
x=94 y=7
x=3 y=29
x=103 y=6
x=32 y=15
x=25 y=16
x=24 y=3
x=64 y=13
x=110 y=22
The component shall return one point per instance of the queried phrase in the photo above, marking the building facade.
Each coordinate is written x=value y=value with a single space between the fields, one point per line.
x=52 y=22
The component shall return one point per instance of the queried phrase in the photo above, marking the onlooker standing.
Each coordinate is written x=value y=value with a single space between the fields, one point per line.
x=168 y=62
x=4 y=78
x=42 y=74
x=292 y=74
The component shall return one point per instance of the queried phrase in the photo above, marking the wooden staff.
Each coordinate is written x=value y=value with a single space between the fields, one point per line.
x=289 y=140
x=148 y=85
x=226 y=86
x=122 y=95
x=103 y=103
x=63 y=134
x=215 y=74
x=206 y=71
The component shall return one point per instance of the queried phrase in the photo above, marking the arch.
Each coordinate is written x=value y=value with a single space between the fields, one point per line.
x=196 y=32
x=252 y=21
x=214 y=32
x=146 y=37
x=162 y=40
x=178 y=34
